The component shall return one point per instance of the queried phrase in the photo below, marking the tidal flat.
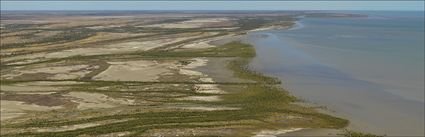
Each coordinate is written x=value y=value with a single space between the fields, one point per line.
x=139 y=74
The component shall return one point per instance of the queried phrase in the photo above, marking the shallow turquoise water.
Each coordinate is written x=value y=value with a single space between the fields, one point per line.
x=369 y=70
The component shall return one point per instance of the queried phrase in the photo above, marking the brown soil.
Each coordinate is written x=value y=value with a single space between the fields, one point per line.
x=37 y=99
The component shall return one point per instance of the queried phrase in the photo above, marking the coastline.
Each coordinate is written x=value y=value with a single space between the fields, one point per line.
x=294 y=131
x=338 y=112
x=261 y=98
x=318 y=107
x=185 y=84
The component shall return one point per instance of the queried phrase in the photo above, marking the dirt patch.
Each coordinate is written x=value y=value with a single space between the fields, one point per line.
x=78 y=126
x=19 y=87
x=141 y=70
x=35 y=92
x=146 y=45
x=201 y=98
x=51 y=83
x=206 y=43
x=114 y=48
x=215 y=69
x=205 y=108
x=104 y=27
x=13 y=109
x=88 y=100
x=37 y=99
x=25 y=61
x=196 y=23
x=67 y=128
x=196 y=62
x=27 y=76
x=116 y=134
x=274 y=133
x=313 y=131
x=208 y=88
x=54 y=72
x=38 y=87
x=200 y=88
x=193 y=63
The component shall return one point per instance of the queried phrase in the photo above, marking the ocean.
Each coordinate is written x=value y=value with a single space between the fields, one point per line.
x=369 y=70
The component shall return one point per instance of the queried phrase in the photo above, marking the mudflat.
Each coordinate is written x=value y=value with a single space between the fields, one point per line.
x=144 y=75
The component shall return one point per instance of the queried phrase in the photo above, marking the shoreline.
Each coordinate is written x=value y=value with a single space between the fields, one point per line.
x=301 y=131
x=338 y=112
x=317 y=131
x=182 y=85
x=295 y=131
x=260 y=100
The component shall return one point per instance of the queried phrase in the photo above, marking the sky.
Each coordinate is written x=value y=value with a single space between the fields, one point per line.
x=213 y=5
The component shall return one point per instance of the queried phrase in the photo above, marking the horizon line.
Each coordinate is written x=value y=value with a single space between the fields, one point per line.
x=171 y=5
x=212 y=10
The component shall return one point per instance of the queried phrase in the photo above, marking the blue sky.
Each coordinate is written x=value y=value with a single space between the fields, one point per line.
x=213 y=5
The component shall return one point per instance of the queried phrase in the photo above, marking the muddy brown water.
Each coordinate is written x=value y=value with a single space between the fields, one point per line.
x=362 y=69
